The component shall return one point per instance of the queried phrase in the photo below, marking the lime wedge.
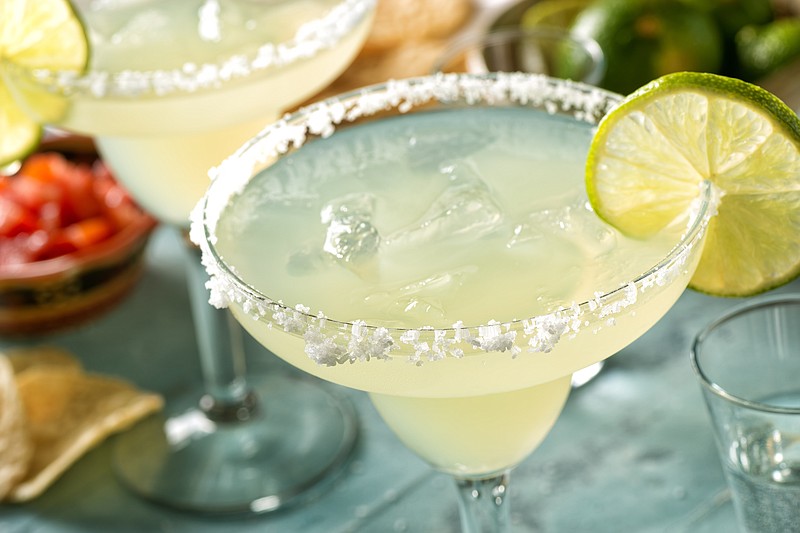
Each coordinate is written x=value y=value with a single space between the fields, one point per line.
x=34 y=34
x=651 y=154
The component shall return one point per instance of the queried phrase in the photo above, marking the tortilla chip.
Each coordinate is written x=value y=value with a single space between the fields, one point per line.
x=399 y=21
x=412 y=58
x=16 y=448
x=407 y=39
x=69 y=413
x=22 y=359
x=52 y=412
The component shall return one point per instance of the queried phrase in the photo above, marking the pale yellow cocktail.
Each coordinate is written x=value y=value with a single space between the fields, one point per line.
x=174 y=87
x=444 y=260
x=170 y=89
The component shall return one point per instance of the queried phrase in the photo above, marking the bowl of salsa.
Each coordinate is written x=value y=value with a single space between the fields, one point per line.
x=72 y=240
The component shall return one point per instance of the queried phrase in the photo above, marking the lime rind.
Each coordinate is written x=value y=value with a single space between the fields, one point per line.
x=651 y=154
x=20 y=134
x=724 y=87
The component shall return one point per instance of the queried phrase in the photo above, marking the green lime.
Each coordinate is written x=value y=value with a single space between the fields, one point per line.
x=731 y=16
x=559 y=13
x=645 y=39
x=764 y=49
x=651 y=154
x=34 y=34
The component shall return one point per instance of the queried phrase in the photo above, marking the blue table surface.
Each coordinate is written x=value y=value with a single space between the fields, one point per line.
x=632 y=451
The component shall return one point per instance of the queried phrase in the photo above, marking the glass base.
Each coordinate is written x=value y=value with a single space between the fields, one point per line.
x=299 y=437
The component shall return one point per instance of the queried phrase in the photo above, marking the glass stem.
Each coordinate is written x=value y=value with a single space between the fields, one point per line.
x=483 y=504
x=222 y=361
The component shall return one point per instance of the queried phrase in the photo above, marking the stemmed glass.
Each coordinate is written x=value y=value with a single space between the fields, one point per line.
x=171 y=89
x=435 y=249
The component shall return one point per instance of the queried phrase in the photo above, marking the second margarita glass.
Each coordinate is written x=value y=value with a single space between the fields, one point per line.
x=171 y=89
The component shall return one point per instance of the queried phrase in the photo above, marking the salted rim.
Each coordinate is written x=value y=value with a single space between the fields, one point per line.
x=311 y=38
x=329 y=341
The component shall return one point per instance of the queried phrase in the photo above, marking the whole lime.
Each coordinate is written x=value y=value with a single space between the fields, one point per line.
x=731 y=16
x=645 y=39
x=764 y=49
x=559 y=13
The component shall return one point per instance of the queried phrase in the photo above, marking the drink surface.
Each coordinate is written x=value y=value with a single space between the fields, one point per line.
x=133 y=35
x=428 y=219
x=182 y=63
x=471 y=214
x=189 y=91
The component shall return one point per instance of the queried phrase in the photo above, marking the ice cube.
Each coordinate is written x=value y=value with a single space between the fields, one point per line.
x=350 y=236
x=421 y=301
x=572 y=222
x=466 y=207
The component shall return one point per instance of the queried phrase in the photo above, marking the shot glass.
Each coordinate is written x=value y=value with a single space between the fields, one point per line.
x=748 y=365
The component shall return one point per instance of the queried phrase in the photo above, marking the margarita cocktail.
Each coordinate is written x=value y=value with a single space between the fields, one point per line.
x=443 y=258
x=172 y=88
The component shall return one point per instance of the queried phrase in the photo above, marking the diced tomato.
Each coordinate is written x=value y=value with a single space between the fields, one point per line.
x=53 y=206
x=58 y=244
x=116 y=202
x=80 y=201
x=110 y=194
x=89 y=231
x=32 y=192
x=124 y=215
x=15 y=219
x=51 y=216
x=46 y=166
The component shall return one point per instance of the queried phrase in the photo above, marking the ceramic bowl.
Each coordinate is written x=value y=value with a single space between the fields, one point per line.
x=71 y=289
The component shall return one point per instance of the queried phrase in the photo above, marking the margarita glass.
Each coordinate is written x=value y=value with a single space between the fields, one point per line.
x=171 y=89
x=436 y=249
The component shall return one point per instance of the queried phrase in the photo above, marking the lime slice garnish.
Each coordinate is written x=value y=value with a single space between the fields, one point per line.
x=34 y=34
x=652 y=153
